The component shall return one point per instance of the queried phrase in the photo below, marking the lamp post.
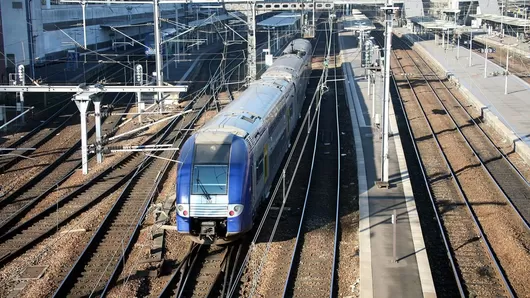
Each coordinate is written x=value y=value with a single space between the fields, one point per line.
x=388 y=9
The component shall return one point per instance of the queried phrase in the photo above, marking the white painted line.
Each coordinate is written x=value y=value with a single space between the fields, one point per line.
x=424 y=268
x=365 y=251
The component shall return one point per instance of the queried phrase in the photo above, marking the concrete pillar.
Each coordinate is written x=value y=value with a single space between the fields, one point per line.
x=389 y=12
x=2 y=115
x=82 y=101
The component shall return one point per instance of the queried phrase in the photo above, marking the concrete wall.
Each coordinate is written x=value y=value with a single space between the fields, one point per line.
x=15 y=31
x=54 y=28
x=3 y=74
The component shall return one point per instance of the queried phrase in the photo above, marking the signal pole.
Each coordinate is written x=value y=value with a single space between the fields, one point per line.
x=158 y=55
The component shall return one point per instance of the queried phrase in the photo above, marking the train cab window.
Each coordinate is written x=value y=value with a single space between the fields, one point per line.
x=210 y=169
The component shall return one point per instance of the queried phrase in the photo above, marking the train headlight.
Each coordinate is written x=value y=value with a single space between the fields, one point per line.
x=234 y=210
x=183 y=210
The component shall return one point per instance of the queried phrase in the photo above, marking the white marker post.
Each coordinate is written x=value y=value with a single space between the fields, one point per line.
x=394 y=231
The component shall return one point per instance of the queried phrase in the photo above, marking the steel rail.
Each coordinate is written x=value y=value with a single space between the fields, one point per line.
x=310 y=122
x=34 y=182
x=288 y=280
x=337 y=211
x=187 y=272
x=5 y=165
x=180 y=138
x=63 y=202
x=134 y=228
x=166 y=291
x=429 y=192
x=486 y=243
x=70 y=280
x=35 y=130
x=482 y=163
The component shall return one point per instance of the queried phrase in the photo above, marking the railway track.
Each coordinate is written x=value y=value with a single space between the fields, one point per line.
x=465 y=192
x=265 y=270
x=38 y=137
x=27 y=233
x=101 y=261
x=316 y=240
x=212 y=73
x=505 y=174
x=206 y=271
x=15 y=206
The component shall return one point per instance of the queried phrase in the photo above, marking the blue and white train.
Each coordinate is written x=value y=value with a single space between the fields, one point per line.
x=227 y=167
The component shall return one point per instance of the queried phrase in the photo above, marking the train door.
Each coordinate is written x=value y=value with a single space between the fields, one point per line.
x=266 y=162
x=289 y=115
x=261 y=170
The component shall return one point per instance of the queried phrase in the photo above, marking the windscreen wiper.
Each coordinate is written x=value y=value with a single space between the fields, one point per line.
x=203 y=188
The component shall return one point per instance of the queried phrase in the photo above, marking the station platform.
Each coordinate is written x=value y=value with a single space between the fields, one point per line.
x=515 y=45
x=380 y=274
x=507 y=113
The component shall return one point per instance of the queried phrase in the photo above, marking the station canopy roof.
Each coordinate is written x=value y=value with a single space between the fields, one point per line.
x=502 y=19
x=357 y=22
x=214 y=19
x=122 y=26
x=432 y=23
x=137 y=21
x=280 y=20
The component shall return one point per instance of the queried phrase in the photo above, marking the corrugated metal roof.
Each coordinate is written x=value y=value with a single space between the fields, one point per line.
x=279 y=20
x=357 y=22
x=503 y=19
x=213 y=19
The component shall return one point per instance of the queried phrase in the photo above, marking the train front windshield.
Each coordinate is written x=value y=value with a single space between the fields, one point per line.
x=210 y=169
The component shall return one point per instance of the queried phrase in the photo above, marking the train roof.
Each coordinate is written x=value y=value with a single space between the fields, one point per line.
x=246 y=114
x=299 y=44
x=286 y=66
